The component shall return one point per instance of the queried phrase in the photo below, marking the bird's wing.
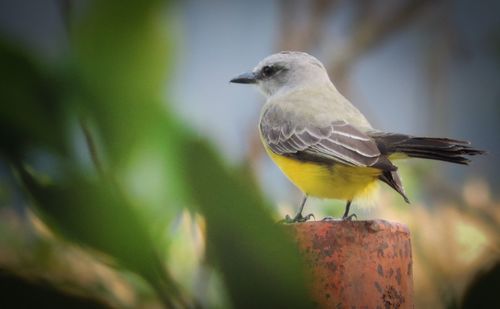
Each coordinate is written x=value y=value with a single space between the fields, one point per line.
x=325 y=141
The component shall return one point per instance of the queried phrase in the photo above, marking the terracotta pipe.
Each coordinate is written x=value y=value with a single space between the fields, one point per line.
x=357 y=264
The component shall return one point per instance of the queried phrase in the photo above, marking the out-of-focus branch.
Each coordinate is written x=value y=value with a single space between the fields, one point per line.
x=92 y=147
x=369 y=33
x=297 y=32
x=65 y=7
x=444 y=44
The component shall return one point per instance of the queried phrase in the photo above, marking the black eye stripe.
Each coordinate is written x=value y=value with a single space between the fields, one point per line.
x=268 y=70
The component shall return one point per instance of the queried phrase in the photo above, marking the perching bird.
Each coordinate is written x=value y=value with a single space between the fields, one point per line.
x=323 y=143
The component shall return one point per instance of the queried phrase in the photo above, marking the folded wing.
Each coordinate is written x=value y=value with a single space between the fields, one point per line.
x=331 y=142
x=328 y=142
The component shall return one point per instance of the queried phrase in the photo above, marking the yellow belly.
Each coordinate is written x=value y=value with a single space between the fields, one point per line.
x=337 y=181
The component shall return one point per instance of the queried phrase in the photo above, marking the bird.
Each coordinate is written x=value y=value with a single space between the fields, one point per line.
x=323 y=143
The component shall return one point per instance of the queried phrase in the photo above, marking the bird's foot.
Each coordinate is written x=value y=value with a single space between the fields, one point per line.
x=329 y=218
x=349 y=217
x=297 y=218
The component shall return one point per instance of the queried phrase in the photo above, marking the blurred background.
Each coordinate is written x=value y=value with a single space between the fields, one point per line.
x=107 y=103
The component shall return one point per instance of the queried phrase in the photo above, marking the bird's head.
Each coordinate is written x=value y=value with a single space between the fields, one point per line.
x=285 y=71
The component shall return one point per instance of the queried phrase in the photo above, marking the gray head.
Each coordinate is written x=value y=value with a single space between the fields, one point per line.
x=285 y=71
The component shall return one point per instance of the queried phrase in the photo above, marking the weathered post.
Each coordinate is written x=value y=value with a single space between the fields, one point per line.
x=357 y=264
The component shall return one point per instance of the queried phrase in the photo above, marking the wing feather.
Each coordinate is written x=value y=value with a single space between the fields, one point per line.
x=336 y=141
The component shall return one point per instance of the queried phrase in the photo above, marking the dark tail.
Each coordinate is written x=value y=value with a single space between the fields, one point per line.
x=392 y=179
x=442 y=149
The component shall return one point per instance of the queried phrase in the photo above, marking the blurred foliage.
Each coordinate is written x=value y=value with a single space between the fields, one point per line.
x=146 y=169
x=25 y=88
x=249 y=241
x=157 y=204
x=14 y=290
x=452 y=242
x=483 y=291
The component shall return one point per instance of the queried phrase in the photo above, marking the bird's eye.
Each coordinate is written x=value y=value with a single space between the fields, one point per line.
x=268 y=71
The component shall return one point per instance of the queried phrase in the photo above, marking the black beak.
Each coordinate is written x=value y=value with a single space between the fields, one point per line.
x=245 y=78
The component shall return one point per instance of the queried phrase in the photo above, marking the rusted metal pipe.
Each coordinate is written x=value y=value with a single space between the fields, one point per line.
x=357 y=264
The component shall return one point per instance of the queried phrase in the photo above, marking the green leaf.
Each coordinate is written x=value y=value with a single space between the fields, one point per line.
x=30 y=111
x=96 y=215
x=261 y=265
x=121 y=51
x=121 y=54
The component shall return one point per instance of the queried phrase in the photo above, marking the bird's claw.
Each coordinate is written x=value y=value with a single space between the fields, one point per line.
x=306 y=218
x=328 y=218
x=297 y=218
x=349 y=217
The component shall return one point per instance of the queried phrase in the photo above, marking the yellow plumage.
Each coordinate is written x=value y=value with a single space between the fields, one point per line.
x=337 y=181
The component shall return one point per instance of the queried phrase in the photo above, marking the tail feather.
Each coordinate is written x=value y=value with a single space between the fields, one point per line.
x=394 y=181
x=442 y=149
